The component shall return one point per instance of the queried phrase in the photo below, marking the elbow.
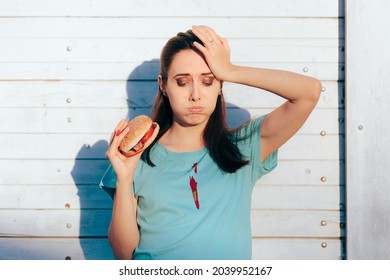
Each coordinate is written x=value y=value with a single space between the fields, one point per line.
x=315 y=91
x=310 y=93
x=122 y=251
x=123 y=254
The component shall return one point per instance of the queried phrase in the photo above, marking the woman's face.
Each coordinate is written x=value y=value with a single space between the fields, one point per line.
x=191 y=88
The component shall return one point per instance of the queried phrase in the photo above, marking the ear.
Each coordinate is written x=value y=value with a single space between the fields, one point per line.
x=220 y=91
x=161 y=83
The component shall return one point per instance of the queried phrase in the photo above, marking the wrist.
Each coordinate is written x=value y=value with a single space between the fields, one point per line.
x=231 y=74
x=125 y=184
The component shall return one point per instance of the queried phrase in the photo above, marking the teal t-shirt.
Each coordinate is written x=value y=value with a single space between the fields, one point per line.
x=173 y=225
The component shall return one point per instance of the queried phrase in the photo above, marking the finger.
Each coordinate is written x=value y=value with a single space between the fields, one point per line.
x=224 y=43
x=207 y=30
x=119 y=135
x=201 y=48
x=121 y=125
x=113 y=148
x=119 y=129
x=207 y=40
x=204 y=33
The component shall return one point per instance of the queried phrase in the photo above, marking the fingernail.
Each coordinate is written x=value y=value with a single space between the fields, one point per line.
x=118 y=132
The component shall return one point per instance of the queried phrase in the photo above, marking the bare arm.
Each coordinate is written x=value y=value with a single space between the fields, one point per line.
x=123 y=233
x=302 y=92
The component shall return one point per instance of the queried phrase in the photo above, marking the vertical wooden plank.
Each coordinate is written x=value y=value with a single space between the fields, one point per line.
x=367 y=129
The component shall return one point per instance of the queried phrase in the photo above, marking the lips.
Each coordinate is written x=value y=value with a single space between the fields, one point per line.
x=195 y=109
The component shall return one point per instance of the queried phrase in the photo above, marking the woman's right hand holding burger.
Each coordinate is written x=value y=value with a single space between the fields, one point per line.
x=123 y=166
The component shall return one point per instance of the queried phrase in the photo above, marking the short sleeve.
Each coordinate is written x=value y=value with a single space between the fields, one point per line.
x=251 y=147
x=108 y=182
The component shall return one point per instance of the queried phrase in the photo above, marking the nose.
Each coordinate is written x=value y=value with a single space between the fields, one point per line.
x=195 y=93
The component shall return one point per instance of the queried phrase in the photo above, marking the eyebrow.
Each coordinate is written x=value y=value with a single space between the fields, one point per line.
x=187 y=74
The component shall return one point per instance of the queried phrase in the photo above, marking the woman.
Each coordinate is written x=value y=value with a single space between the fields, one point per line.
x=188 y=196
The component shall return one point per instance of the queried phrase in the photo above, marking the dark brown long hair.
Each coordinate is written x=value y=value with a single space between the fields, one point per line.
x=219 y=139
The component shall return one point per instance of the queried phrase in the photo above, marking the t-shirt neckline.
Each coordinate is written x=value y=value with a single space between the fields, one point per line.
x=179 y=155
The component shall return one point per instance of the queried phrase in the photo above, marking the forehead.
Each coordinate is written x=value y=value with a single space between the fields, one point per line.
x=189 y=62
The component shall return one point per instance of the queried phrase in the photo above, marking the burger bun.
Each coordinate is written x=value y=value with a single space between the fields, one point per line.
x=142 y=132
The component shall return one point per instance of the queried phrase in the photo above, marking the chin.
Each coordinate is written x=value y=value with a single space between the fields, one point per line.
x=193 y=120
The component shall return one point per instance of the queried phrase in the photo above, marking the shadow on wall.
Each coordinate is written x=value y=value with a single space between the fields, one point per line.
x=91 y=163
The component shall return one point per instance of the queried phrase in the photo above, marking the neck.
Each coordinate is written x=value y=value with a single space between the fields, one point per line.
x=183 y=139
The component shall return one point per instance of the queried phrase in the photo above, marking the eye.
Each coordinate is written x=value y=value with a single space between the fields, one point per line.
x=208 y=82
x=182 y=82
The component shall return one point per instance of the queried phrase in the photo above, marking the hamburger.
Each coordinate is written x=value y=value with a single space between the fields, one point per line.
x=142 y=132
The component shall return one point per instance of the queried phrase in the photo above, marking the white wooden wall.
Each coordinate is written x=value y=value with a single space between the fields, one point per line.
x=368 y=130
x=69 y=70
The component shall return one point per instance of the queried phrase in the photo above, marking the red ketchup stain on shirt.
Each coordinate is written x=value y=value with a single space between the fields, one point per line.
x=195 y=167
x=194 y=189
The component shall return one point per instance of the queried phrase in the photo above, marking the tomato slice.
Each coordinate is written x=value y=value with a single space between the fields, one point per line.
x=148 y=134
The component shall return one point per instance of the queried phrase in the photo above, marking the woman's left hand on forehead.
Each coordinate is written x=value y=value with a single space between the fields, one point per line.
x=216 y=51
